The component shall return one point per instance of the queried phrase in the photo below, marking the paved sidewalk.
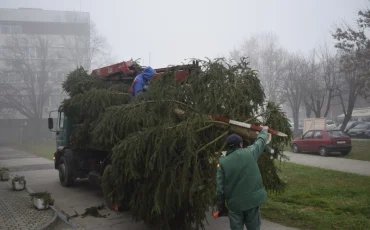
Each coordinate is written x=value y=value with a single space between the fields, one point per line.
x=17 y=210
x=41 y=176
x=331 y=162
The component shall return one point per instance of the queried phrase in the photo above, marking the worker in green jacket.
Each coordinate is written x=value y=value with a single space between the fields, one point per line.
x=239 y=182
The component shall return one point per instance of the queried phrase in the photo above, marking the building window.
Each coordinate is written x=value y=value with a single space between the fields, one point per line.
x=52 y=53
x=38 y=52
x=8 y=29
x=14 y=77
x=5 y=29
x=32 y=52
x=6 y=53
x=16 y=29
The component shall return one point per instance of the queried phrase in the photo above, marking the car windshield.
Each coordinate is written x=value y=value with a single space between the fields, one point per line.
x=336 y=133
x=361 y=126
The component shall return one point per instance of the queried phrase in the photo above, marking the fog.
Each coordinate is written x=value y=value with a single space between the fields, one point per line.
x=290 y=43
x=172 y=31
x=80 y=108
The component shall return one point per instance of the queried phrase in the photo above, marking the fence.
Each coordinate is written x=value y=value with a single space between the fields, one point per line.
x=23 y=130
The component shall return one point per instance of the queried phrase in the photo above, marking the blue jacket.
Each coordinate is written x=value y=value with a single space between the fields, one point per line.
x=141 y=81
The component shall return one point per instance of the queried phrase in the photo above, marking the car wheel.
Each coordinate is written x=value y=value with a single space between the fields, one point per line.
x=323 y=151
x=295 y=148
x=345 y=153
x=65 y=173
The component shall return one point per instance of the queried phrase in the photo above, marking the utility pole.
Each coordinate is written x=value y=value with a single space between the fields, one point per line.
x=149 y=58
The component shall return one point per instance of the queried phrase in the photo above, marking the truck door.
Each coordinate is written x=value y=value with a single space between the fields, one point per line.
x=61 y=132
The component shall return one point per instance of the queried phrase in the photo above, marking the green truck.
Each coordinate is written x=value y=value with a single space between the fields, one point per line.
x=76 y=163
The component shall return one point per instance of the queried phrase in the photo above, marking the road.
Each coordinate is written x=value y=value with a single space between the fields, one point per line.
x=360 y=139
x=334 y=163
x=41 y=175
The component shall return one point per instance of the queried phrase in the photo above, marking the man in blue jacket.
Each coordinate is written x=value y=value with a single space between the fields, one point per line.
x=141 y=81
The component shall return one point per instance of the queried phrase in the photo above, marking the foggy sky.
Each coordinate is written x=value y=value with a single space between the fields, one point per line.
x=173 y=30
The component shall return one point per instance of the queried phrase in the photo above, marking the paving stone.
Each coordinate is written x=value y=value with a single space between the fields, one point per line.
x=17 y=210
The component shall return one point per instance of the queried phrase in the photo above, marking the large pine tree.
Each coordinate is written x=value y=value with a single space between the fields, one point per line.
x=164 y=143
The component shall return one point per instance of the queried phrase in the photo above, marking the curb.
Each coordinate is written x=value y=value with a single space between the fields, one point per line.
x=52 y=221
x=64 y=218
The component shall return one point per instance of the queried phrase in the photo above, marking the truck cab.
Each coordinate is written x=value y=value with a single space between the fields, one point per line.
x=63 y=128
x=71 y=162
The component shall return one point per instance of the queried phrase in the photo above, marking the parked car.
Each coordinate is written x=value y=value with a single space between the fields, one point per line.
x=330 y=125
x=323 y=142
x=360 y=130
x=367 y=133
x=349 y=126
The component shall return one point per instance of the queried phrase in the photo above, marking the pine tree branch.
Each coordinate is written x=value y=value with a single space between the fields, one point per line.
x=204 y=128
x=218 y=122
x=251 y=119
x=161 y=101
x=214 y=141
x=223 y=147
x=121 y=93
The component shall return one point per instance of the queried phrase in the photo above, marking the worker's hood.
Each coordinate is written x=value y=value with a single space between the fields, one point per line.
x=148 y=73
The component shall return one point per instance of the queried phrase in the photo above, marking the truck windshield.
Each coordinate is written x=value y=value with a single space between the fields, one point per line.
x=336 y=133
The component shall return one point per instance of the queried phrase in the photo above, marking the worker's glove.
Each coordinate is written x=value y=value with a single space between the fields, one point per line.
x=269 y=139
x=223 y=211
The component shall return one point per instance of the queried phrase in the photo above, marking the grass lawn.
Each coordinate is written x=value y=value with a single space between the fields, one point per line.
x=320 y=199
x=360 y=151
x=44 y=149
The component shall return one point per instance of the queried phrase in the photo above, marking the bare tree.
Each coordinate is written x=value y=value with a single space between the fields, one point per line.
x=268 y=57
x=88 y=50
x=294 y=82
x=354 y=47
x=23 y=83
x=322 y=76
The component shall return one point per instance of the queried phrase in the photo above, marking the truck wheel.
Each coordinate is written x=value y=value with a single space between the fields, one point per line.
x=65 y=173
x=107 y=186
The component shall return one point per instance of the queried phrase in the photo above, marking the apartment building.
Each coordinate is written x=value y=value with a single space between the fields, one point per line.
x=40 y=44
x=67 y=34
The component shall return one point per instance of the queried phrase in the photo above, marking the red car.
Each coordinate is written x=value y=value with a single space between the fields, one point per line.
x=323 y=142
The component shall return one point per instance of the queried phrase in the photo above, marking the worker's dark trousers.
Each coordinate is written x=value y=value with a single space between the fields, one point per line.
x=250 y=218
